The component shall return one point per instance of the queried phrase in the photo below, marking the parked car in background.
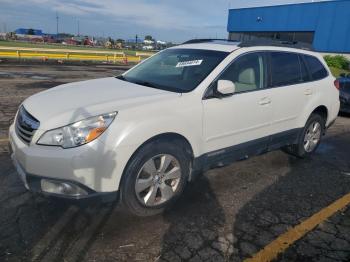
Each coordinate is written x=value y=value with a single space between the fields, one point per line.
x=344 y=88
x=144 y=134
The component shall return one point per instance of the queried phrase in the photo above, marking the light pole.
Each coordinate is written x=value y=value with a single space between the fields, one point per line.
x=78 y=25
x=57 y=18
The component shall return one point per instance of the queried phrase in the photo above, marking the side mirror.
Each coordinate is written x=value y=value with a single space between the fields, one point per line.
x=226 y=87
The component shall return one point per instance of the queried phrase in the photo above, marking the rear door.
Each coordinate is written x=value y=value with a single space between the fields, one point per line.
x=290 y=91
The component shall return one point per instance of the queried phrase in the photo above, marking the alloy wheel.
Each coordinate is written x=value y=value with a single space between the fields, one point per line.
x=158 y=180
x=312 y=137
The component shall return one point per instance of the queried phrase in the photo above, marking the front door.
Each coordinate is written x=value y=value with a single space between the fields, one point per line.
x=240 y=124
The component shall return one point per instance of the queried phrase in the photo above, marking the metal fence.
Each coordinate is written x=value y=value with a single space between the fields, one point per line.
x=71 y=54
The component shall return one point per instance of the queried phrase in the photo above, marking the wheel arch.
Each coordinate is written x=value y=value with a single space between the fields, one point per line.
x=322 y=111
x=162 y=137
x=169 y=136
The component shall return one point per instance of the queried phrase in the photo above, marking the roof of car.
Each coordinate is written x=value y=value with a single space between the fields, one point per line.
x=211 y=44
x=230 y=46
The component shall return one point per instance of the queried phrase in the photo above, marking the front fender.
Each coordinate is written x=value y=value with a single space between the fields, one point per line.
x=137 y=133
x=124 y=138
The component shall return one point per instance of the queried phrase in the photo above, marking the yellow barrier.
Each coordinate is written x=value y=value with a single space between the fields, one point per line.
x=145 y=54
x=59 y=50
x=68 y=54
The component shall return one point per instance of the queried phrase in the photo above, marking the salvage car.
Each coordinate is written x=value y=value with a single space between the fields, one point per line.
x=141 y=136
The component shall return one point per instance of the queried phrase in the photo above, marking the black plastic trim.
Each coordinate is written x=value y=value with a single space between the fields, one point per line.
x=208 y=40
x=226 y=156
x=289 y=44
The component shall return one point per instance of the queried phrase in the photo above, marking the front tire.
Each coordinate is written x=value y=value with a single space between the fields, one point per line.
x=310 y=137
x=155 y=177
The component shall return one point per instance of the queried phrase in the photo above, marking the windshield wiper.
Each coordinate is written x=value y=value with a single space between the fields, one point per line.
x=121 y=77
x=148 y=84
x=145 y=83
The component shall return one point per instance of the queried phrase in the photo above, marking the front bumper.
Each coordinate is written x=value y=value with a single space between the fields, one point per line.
x=86 y=167
x=33 y=184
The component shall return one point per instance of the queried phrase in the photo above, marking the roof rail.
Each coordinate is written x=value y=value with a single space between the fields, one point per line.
x=208 y=40
x=263 y=42
x=257 y=42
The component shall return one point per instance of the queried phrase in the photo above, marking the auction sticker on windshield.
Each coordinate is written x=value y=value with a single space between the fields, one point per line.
x=189 y=63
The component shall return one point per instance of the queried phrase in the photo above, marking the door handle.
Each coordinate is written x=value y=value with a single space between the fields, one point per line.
x=265 y=101
x=308 y=92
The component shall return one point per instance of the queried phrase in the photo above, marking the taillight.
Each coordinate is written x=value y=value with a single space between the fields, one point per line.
x=337 y=84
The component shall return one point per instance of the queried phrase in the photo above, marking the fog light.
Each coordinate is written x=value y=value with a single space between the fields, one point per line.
x=61 y=188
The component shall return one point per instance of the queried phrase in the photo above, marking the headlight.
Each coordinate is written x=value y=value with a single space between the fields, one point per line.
x=78 y=133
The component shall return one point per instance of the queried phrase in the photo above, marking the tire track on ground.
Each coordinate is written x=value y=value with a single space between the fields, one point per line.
x=71 y=237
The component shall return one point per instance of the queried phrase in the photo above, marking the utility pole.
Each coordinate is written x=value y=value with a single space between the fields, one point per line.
x=57 y=18
x=78 y=27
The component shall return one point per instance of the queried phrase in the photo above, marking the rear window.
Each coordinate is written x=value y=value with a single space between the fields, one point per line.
x=316 y=68
x=286 y=69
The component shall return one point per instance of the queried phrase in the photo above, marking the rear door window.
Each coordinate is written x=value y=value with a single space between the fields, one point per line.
x=316 y=68
x=285 y=69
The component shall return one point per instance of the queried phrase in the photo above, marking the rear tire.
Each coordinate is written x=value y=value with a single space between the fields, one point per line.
x=155 y=177
x=309 y=138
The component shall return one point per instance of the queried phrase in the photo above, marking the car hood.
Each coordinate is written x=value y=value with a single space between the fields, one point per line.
x=73 y=102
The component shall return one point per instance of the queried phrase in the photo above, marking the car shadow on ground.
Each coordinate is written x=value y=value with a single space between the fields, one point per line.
x=311 y=185
x=194 y=224
x=299 y=188
x=38 y=228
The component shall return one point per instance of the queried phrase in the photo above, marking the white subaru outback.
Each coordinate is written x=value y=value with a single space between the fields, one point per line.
x=144 y=134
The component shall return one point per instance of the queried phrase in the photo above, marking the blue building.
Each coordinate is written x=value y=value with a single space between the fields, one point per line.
x=24 y=31
x=325 y=25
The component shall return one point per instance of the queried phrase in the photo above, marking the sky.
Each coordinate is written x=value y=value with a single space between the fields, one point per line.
x=167 y=20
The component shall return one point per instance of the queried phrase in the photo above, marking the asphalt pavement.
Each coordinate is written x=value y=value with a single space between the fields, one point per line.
x=228 y=214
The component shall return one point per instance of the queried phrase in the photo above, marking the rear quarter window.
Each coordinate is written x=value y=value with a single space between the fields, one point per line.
x=316 y=68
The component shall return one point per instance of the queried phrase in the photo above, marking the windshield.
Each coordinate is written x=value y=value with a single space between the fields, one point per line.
x=176 y=70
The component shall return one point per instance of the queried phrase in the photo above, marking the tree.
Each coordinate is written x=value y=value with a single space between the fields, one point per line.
x=337 y=61
x=148 y=37
x=31 y=31
x=111 y=40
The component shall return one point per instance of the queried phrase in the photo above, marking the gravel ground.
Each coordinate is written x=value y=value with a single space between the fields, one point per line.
x=228 y=214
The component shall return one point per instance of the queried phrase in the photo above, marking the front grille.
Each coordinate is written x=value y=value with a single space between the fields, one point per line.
x=26 y=125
